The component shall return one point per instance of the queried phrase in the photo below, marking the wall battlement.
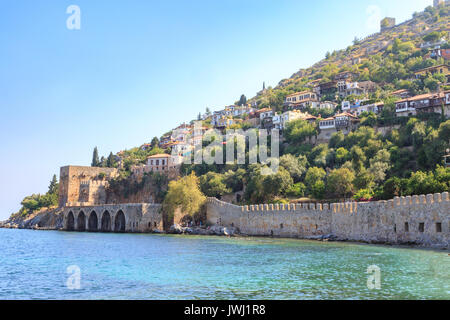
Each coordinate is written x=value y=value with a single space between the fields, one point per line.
x=422 y=219
x=349 y=207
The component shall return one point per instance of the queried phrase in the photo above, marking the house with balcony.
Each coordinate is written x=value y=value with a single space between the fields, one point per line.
x=293 y=115
x=265 y=113
x=327 y=124
x=345 y=120
x=361 y=106
x=277 y=122
x=347 y=76
x=226 y=121
x=360 y=88
x=162 y=163
x=423 y=73
x=300 y=100
x=327 y=105
x=401 y=94
x=376 y=108
x=435 y=103
x=403 y=108
x=327 y=88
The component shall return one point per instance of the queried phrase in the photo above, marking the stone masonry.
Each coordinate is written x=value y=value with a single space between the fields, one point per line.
x=421 y=220
x=84 y=185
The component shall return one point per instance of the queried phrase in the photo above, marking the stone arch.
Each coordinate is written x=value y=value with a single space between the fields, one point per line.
x=106 y=222
x=81 y=221
x=70 y=222
x=93 y=222
x=119 y=222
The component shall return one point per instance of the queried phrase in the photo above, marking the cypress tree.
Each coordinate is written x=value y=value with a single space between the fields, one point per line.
x=53 y=187
x=110 y=161
x=95 y=160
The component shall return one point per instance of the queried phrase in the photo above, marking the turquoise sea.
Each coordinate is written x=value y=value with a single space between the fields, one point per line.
x=34 y=265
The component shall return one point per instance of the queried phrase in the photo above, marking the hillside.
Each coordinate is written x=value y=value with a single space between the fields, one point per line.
x=386 y=58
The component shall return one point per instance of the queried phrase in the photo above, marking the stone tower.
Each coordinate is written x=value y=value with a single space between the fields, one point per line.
x=387 y=23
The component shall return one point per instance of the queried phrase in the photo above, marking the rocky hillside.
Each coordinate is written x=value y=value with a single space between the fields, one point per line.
x=366 y=56
x=45 y=219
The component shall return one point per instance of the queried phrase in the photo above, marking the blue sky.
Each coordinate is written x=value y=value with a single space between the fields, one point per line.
x=136 y=69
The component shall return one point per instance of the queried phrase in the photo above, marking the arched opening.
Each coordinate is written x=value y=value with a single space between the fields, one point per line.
x=106 y=222
x=119 y=222
x=70 y=225
x=81 y=222
x=93 y=222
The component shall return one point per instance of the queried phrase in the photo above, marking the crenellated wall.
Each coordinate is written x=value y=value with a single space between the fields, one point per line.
x=417 y=219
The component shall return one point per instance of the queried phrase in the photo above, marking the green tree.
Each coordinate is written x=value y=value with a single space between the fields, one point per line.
x=444 y=131
x=342 y=155
x=340 y=183
x=242 y=100
x=184 y=194
x=53 y=187
x=298 y=131
x=155 y=142
x=278 y=183
x=314 y=182
x=296 y=166
x=212 y=185
x=95 y=159
x=110 y=161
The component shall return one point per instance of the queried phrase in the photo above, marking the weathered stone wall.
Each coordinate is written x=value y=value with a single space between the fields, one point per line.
x=106 y=218
x=83 y=185
x=271 y=219
x=418 y=219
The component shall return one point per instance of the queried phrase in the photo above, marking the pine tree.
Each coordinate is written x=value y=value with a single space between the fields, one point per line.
x=110 y=161
x=155 y=142
x=242 y=100
x=102 y=162
x=95 y=160
x=53 y=187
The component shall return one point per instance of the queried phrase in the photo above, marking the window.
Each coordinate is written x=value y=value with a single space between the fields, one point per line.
x=421 y=227
x=406 y=227
x=438 y=227
x=157 y=162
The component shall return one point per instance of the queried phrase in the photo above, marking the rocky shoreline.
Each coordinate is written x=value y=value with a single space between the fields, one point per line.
x=51 y=220
x=46 y=219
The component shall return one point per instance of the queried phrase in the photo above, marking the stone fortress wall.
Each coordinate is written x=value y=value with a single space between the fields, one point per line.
x=114 y=218
x=421 y=219
x=84 y=185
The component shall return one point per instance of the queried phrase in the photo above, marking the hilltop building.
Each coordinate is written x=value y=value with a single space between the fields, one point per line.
x=302 y=99
x=387 y=23
x=424 y=103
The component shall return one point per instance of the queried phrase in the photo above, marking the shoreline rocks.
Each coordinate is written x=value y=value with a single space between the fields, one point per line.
x=203 y=231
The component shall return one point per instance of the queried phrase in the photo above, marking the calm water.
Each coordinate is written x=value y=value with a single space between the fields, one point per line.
x=33 y=265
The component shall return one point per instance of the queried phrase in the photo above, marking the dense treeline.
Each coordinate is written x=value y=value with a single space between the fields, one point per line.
x=364 y=165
